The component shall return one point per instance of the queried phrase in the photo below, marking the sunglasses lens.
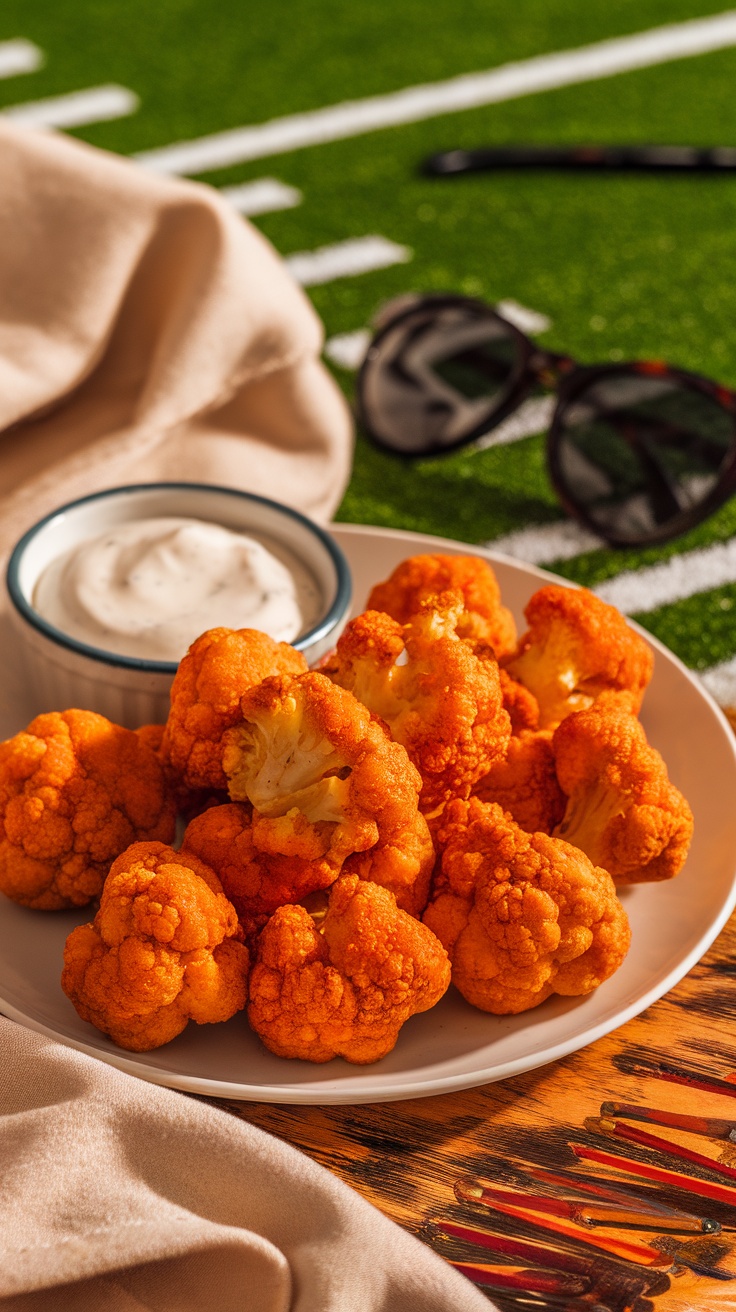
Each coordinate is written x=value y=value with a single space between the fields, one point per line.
x=638 y=453
x=436 y=376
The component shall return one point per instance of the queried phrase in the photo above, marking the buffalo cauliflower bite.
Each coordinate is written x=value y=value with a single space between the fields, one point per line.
x=403 y=865
x=205 y=698
x=522 y=915
x=345 y=989
x=525 y=783
x=482 y=616
x=521 y=704
x=152 y=735
x=622 y=809
x=75 y=790
x=162 y=950
x=577 y=647
x=440 y=696
x=256 y=882
x=325 y=782
x=188 y=801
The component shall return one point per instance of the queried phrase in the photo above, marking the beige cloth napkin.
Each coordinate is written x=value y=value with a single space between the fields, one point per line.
x=119 y=1196
x=147 y=332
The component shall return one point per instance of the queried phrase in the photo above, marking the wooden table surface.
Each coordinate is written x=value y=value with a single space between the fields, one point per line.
x=406 y=1158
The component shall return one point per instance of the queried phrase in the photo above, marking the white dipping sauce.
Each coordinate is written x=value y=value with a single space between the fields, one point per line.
x=150 y=587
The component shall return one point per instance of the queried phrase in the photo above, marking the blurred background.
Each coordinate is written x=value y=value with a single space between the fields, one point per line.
x=604 y=267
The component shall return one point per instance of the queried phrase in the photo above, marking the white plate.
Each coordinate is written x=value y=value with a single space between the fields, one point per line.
x=452 y=1046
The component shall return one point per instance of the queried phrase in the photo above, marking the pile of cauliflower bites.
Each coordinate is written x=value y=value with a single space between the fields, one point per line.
x=438 y=801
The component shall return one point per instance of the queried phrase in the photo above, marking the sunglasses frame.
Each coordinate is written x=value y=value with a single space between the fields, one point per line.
x=567 y=378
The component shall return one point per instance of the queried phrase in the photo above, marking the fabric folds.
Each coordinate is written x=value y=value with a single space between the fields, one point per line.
x=148 y=332
x=118 y=1196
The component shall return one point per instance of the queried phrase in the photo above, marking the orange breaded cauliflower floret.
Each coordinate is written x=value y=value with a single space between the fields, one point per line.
x=520 y=703
x=205 y=698
x=326 y=782
x=525 y=783
x=343 y=990
x=440 y=696
x=522 y=915
x=188 y=801
x=162 y=950
x=256 y=882
x=415 y=580
x=577 y=647
x=622 y=809
x=75 y=790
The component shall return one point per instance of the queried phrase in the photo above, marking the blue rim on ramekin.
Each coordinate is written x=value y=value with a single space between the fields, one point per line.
x=339 y=606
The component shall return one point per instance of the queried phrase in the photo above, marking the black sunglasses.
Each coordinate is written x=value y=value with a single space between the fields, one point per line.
x=639 y=452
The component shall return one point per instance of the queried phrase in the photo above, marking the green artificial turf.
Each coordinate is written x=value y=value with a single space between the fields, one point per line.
x=700 y=629
x=624 y=266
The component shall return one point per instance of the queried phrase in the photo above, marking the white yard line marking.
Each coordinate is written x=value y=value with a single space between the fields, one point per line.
x=638 y=591
x=541 y=544
x=533 y=416
x=19 y=56
x=563 y=68
x=526 y=320
x=263 y=196
x=346 y=259
x=76 y=110
x=348 y=349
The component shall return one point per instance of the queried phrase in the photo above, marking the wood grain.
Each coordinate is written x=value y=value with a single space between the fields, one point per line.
x=405 y=1157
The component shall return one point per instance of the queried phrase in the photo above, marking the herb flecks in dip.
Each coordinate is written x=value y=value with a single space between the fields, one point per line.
x=149 y=587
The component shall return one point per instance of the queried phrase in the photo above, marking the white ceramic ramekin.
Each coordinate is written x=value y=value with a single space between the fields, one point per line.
x=63 y=672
